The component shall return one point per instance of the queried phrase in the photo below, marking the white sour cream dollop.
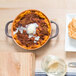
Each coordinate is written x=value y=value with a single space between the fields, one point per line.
x=31 y=28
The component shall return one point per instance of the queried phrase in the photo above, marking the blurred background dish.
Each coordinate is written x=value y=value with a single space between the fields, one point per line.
x=70 y=42
x=53 y=66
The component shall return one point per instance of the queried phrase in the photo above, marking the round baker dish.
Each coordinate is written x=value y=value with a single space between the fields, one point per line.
x=31 y=29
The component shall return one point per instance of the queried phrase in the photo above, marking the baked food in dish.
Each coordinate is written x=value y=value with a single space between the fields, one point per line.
x=31 y=29
x=72 y=28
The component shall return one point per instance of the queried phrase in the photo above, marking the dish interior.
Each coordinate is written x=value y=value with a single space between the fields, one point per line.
x=31 y=29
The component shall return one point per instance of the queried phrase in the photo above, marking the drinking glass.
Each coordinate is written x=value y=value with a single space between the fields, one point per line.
x=53 y=66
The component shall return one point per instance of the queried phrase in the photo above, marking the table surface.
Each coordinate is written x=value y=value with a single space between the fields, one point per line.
x=55 y=10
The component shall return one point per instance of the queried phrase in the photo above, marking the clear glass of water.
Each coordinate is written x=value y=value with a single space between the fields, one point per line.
x=53 y=66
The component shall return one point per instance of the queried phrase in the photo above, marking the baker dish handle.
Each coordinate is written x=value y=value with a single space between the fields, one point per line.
x=6 y=29
x=57 y=30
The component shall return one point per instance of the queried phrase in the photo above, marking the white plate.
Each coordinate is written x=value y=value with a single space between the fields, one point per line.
x=70 y=44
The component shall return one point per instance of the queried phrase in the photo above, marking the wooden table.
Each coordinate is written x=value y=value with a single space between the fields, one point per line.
x=55 y=10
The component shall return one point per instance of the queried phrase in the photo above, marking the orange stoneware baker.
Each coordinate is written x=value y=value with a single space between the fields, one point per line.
x=31 y=29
